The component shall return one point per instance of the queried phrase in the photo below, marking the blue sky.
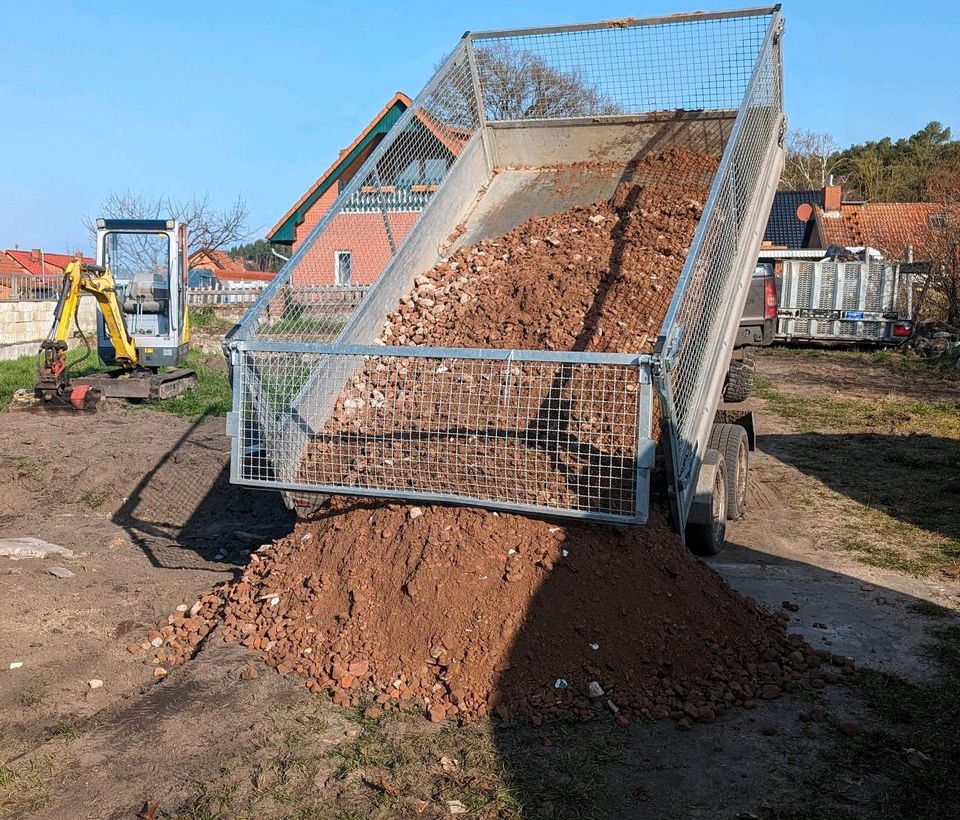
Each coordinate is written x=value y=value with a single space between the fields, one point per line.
x=256 y=99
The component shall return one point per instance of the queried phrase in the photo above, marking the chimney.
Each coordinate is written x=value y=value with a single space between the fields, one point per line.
x=35 y=255
x=832 y=196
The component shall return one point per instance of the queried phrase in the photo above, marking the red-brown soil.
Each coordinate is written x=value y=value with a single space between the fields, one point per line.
x=462 y=612
x=598 y=278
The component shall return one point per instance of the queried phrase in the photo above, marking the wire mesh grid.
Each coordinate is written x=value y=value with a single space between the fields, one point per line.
x=621 y=68
x=379 y=196
x=700 y=313
x=537 y=434
x=570 y=436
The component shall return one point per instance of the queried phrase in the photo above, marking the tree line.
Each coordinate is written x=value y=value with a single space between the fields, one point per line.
x=924 y=167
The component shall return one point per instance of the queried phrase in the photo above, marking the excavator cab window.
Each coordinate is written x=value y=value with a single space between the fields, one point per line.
x=140 y=264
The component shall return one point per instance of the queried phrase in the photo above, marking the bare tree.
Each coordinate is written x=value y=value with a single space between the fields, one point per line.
x=811 y=160
x=943 y=245
x=210 y=228
x=518 y=84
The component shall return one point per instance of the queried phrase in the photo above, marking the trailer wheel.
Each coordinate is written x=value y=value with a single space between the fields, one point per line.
x=739 y=383
x=731 y=441
x=706 y=530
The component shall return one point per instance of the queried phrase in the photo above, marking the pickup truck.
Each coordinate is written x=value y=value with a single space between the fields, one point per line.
x=758 y=324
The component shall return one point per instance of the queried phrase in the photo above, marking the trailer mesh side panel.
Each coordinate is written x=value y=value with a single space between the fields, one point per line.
x=575 y=438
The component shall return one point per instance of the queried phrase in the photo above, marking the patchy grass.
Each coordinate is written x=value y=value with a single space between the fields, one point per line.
x=32 y=698
x=305 y=766
x=902 y=364
x=211 y=398
x=913 y=762
x=904 y=417
x=67 y=730
x=24 y=787
x=884 y=476
x=92 y=498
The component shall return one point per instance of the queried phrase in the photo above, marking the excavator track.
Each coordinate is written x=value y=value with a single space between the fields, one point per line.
x=118 y=384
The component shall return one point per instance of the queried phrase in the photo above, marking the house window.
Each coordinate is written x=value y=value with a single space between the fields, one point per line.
x=342 y=267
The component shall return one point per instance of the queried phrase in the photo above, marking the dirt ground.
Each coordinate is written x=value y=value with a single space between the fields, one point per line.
x=143 y=500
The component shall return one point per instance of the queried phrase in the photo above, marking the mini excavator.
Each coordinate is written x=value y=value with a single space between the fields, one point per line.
x=139 y=283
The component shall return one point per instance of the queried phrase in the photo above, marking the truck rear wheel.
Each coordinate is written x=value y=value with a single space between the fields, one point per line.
x=730 y=440
x=740 y=375
x=706 y=530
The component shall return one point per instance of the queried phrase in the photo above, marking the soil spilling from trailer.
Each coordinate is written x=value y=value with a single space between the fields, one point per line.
x=597 y=278
x=462 y=613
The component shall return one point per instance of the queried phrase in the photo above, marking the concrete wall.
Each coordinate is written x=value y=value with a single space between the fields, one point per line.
x=23 y=325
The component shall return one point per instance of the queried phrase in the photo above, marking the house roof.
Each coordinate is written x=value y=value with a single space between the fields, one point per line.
x=451 y=137
x=784 y=229
x=887 y=226
x=217 y=260
x=225 y=267
x=284 y=230
x=52 y=263
x=8 y=267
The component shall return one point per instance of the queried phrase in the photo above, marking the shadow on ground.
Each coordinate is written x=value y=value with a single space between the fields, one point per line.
x=746 y=762
x=185 y=506
x=914 y=479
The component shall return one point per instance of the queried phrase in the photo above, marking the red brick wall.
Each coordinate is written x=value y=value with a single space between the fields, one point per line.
x=362 y=234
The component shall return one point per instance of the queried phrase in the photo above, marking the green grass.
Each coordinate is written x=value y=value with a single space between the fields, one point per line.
x=212 y=396
x=92 y=498
x=67 y=730
x=814 y=414
x=24 y=787
x=208 y=320
x=911 y=761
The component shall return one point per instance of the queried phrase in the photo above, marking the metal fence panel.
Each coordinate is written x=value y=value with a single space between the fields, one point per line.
x=29 y=287
x=528 y=431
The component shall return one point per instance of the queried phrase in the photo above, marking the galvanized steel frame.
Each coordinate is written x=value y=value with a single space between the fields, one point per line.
x=685 y=419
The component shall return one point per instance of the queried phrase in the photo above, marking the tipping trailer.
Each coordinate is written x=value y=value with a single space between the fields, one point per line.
x=566 y=433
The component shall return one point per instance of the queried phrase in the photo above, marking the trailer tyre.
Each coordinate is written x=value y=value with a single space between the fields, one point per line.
x=731 y=441
x=740 y=375
x=706 y=530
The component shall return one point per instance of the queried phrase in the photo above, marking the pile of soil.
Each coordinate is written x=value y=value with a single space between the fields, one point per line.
x=596 y=278
x=463 y=613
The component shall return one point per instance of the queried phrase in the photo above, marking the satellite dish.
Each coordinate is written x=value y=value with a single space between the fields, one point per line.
x=805 y=212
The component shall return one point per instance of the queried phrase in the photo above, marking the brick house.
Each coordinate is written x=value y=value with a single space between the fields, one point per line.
x=356 y=245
